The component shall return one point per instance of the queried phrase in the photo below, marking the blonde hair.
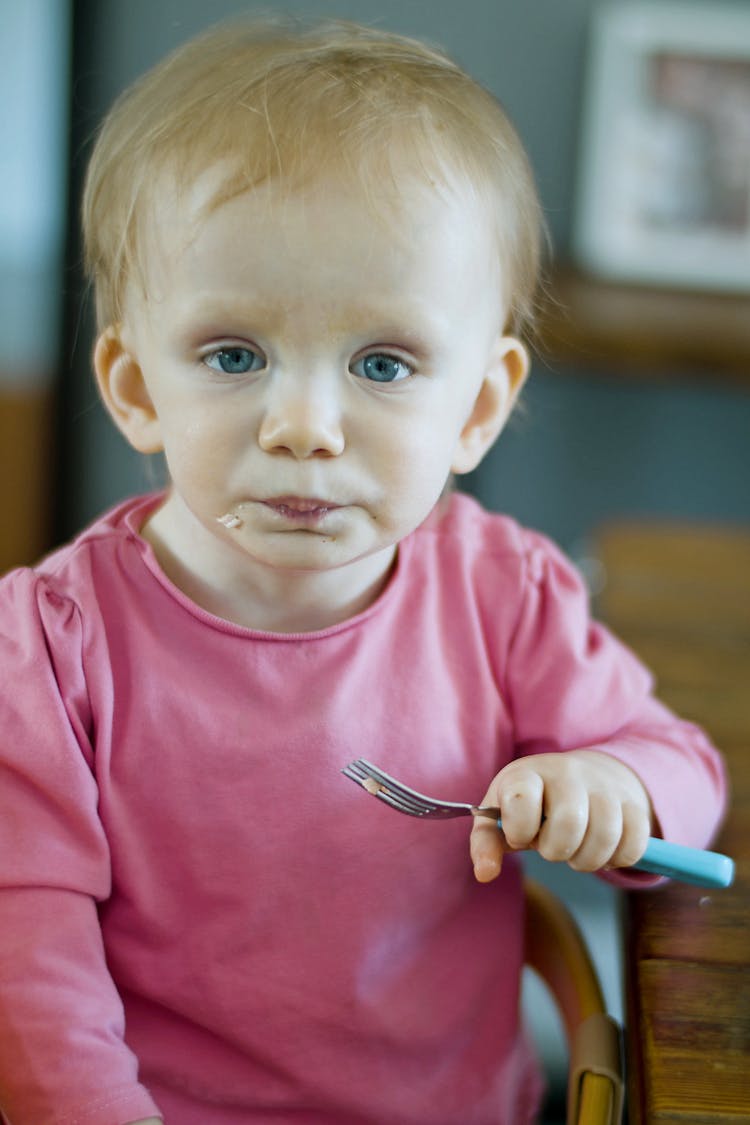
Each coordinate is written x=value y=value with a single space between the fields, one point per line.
x=277 y=100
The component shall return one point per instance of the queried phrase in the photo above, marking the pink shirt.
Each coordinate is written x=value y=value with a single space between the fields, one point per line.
x=188 y=881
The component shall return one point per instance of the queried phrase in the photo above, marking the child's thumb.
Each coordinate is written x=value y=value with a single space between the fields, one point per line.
x=486 y=848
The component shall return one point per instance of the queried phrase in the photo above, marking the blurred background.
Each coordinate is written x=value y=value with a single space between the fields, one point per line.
x=639 y=403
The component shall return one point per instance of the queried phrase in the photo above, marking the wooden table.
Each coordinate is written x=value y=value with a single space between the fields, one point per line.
x=681 y=597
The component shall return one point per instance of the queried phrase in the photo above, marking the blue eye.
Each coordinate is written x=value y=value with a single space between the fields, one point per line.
x=234 y=361
x=381 y=368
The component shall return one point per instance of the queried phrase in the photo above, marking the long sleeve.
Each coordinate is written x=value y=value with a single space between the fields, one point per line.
x=61 y=1019
x=572 y=684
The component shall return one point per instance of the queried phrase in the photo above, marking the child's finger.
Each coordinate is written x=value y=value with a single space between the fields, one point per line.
x=603 y=834
x=486 y=848
x=636 y=827
x=566 y=807
x=519 y=793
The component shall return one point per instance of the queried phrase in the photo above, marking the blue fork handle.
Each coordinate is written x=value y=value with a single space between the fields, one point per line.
x=688 y=865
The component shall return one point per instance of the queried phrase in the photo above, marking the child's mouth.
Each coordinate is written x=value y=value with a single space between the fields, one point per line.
x=300 y=508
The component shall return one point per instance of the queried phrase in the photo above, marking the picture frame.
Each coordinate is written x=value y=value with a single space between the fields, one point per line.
x=664 y=179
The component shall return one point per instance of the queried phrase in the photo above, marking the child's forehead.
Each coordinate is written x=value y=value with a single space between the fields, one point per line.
x=278 y=238
x=394 y=204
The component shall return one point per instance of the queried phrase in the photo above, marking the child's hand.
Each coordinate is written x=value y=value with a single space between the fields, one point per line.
x=582 y=807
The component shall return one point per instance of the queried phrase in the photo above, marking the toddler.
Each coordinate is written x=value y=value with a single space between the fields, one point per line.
x=314 y=254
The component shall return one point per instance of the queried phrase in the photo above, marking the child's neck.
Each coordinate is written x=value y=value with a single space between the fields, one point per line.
x=289 y=603
x=275 y=601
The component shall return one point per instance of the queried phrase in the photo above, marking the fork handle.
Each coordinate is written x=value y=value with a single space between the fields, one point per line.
x=688 y=865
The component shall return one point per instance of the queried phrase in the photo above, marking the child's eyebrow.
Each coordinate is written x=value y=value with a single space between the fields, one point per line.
x=412 y=324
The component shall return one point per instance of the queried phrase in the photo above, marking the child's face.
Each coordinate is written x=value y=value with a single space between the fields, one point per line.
x=313 y=372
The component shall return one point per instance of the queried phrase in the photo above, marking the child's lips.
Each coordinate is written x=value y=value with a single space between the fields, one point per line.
x=300 y=507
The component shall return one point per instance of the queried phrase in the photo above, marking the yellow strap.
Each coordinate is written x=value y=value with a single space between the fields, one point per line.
x=597 y=1100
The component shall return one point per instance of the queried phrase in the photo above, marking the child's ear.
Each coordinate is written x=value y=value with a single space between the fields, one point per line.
x=497 y=395
x=124 y=392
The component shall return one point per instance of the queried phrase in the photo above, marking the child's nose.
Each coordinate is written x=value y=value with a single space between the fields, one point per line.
x=304 y=420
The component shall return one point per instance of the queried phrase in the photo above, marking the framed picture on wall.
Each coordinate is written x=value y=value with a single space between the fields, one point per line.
x=664 y=180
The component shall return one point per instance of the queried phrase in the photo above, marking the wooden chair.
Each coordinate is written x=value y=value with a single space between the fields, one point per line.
x=556 y=951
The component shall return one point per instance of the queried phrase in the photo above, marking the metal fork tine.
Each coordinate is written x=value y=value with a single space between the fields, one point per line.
x=362 y=772
x=356 y=772
x=394 y=801
x=401 y=796
x=399 y=801
x=405 y=800
x=388 y=799
x=423 y=802
x=405 y=796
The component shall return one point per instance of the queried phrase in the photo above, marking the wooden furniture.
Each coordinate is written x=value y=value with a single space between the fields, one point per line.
x=681 y=597
x=586 y=322
x=556 y=950
x=27 y=436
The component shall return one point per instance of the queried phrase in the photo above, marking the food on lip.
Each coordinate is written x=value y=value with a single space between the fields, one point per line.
x=229 y=519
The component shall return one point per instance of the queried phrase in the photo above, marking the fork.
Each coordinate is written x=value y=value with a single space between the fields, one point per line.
x=677 y=861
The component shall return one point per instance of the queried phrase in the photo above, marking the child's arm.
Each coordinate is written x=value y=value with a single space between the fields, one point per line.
x=582 y=807
x=62 y=1049
x=62 y=1054
x=600 y=763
